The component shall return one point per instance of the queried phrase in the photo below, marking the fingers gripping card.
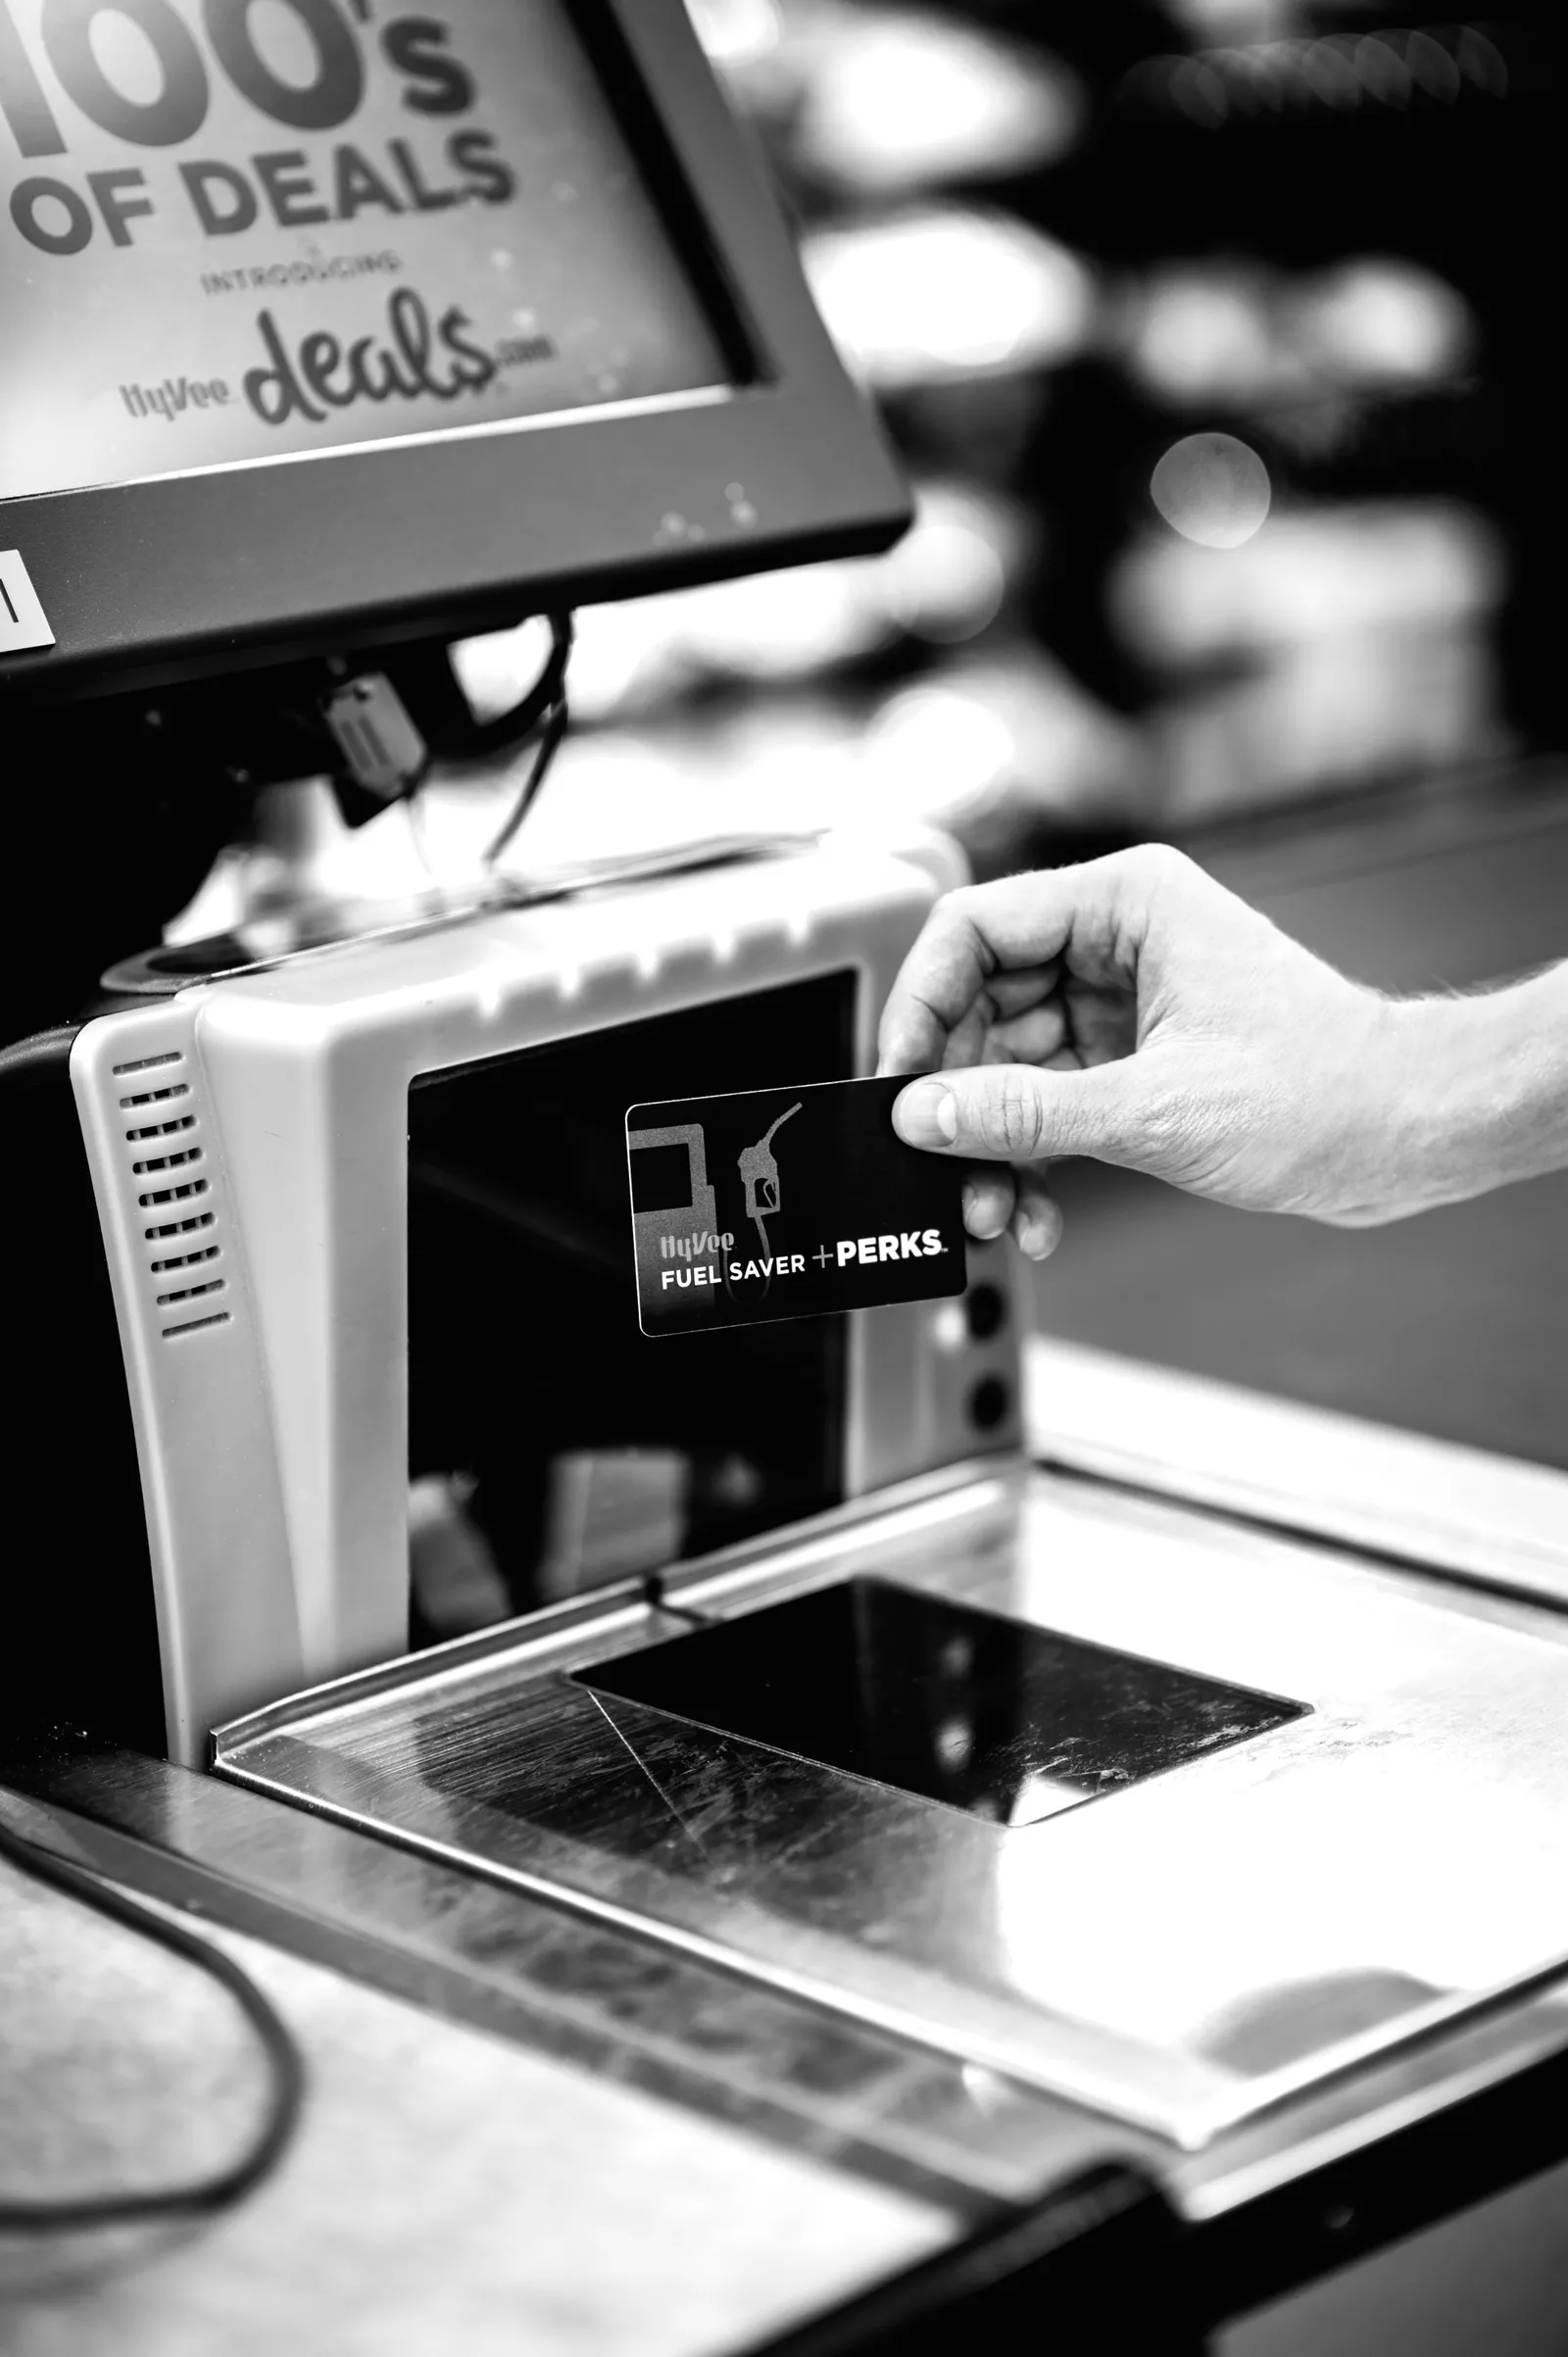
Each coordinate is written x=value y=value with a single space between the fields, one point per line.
x=786 y=1202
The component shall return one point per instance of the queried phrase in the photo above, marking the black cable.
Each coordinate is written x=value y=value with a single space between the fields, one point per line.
x=473 y=739
x=285 y=2063
x=547 y=704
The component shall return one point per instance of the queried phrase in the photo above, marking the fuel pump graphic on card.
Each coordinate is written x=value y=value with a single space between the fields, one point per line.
x=673 y=1207
x=723 y=1238
x=760 y=1175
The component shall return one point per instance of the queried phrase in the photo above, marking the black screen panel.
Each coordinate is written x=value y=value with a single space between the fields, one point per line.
x=992 y=1715
x=554 y=1447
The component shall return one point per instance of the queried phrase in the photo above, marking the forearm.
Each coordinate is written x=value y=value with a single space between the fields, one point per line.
x=1479 y=1091
x=1135 y=1012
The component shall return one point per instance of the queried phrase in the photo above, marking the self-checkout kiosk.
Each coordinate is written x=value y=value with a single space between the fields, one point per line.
x=1228 y=1830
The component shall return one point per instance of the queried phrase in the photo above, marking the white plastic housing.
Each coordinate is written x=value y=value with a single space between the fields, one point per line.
x=268 y=1376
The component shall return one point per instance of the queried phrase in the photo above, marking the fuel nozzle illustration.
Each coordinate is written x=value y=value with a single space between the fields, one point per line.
x=759 y=1172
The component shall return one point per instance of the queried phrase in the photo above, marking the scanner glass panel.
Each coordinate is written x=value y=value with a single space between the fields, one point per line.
x=552 y=1447
x=986 y=1713
x=268 y=235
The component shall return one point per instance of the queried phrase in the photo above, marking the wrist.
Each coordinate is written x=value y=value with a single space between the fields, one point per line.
x=1478 y=1091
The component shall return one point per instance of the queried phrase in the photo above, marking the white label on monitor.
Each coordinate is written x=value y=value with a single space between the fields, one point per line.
x=23 y=620
x=231 y=234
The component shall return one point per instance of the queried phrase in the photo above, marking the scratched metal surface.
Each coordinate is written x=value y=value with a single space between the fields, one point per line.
x=1181 y=1954
x=618 y=2005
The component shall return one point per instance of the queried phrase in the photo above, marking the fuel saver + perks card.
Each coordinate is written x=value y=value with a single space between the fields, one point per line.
x=786 y=1202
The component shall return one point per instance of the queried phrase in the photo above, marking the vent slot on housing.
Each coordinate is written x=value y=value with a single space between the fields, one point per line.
x=191 y=1292
x=167 y=1162
x=172 y=1195
x=170 y=1109
x=206 y=1252
x=160 y=1129
x=180 y=1227
x=179 y=1088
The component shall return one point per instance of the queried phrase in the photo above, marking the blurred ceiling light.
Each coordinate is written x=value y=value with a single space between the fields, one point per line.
x=1204 y=332
x=935 y=294
x=940 y=752
x=1200 y=331
x=1329 y=69
x=1234 y=20
x=1199 y=92
x=792 y=764
x=631 y=659
x=900 y=100
x=787 y=625
x=1382 y=71
x=1481 y=62
x=737 y=32
x=1431 y=68
x=995 y=738
x=1337 y=69
x=976 y=742
x=947 y=578
x=944 y=582
x=1310 y=574
x=1211 y=490
x=1387 y=322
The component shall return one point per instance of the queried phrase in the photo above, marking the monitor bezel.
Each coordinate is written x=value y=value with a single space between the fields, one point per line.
x=590 y=506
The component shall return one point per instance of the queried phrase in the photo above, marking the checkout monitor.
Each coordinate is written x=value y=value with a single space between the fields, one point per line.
x=333 y=321
x=329 y=328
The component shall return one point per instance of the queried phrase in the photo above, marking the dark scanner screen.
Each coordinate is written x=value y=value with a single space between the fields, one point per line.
x=1008 y=1721
x=552 y=1446
x=231 y=233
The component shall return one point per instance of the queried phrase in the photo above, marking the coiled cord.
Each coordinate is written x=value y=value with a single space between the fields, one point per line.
x=284 y=2061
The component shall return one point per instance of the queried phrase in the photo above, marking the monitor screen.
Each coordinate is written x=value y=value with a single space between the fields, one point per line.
x=236 y=231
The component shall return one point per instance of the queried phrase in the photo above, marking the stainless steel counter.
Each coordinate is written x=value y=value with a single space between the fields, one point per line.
x=451 y=2190
x=533 y=2121
x=1182 y=1954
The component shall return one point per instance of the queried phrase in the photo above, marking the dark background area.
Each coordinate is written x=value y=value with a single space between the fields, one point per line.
x=1218 y=338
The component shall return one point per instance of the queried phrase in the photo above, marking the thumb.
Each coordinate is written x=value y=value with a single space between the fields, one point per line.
x=1017 y=1113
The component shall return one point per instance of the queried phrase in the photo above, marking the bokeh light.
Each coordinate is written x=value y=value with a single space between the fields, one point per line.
x=1382 y=320
x=737 y=32
x=948 y=292
x=905 y=100
x=1212 y=489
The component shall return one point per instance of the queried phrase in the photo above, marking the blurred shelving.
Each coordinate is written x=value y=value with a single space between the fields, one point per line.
x=1215 y=336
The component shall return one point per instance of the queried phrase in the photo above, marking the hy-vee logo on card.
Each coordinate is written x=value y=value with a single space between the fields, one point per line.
x=786 y=1202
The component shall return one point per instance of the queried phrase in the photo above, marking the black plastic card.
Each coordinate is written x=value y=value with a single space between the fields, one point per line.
x=786 y=1202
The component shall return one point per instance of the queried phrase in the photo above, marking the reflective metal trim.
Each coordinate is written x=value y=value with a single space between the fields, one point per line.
x=1458 y=1511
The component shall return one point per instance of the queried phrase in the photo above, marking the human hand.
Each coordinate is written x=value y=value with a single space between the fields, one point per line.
x=1133 y=1010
